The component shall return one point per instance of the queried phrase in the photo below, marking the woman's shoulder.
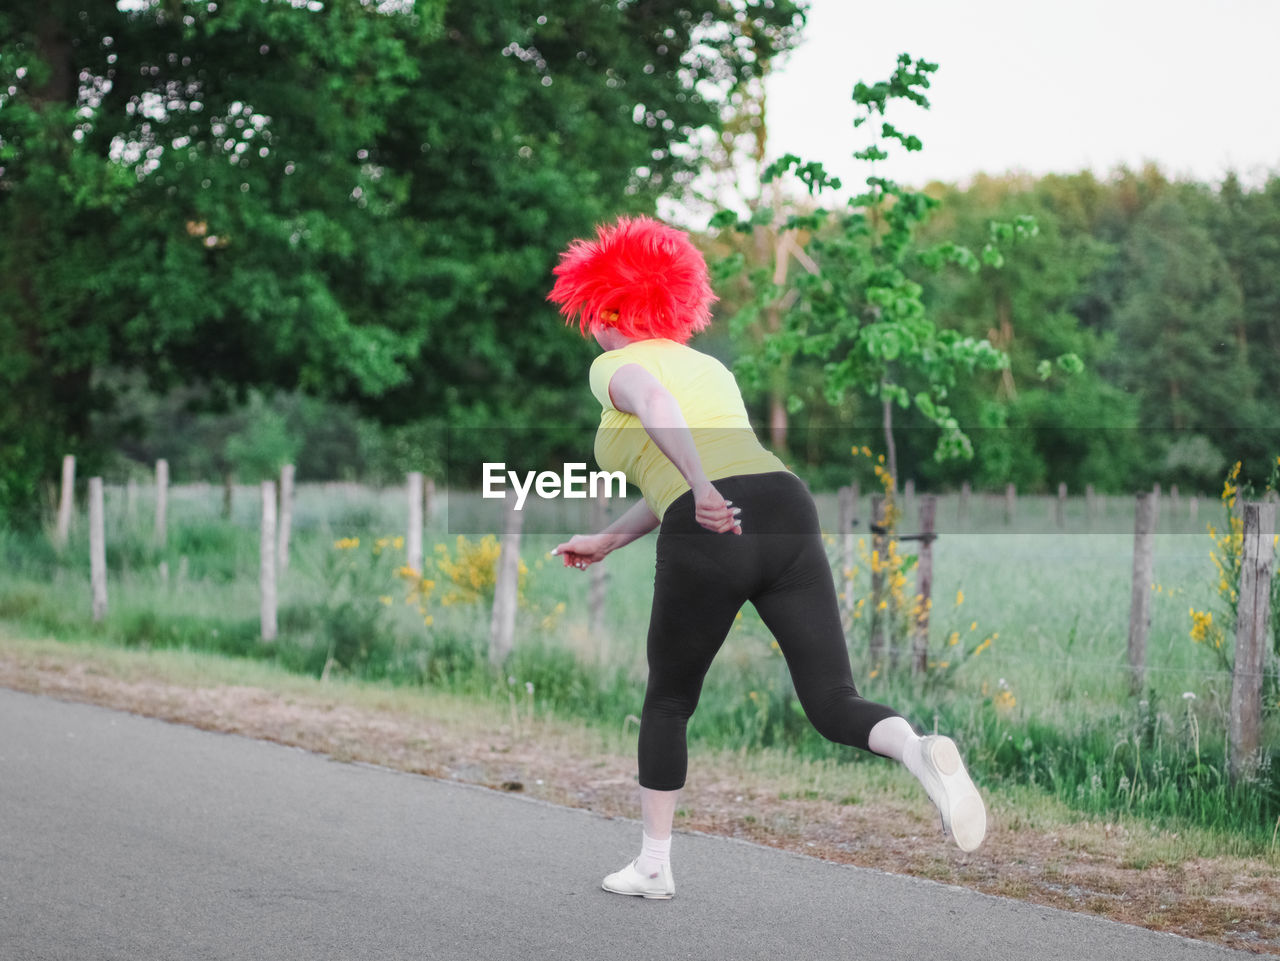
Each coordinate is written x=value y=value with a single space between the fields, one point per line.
x=684 y=352
x=660 y=357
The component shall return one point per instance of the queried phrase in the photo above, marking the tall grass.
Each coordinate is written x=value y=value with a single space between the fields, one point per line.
x=1045 y=704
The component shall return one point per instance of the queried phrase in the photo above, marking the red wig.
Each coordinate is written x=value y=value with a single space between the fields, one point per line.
x=641 y=277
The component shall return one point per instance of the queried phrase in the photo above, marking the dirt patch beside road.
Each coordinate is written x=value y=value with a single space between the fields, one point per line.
x=1089 y=867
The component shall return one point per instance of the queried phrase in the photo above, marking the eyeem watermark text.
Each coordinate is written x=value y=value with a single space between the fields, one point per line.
x=573 y=483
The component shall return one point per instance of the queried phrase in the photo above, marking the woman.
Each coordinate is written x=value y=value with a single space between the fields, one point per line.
x=736 y=526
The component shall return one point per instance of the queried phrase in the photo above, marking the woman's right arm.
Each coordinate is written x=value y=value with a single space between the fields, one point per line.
x=636 y=391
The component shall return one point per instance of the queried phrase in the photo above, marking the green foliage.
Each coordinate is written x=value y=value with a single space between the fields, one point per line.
x=358 y=201
x=1071 y=304
x=222 y=152
x=358 y=207
x=859 y=310
x=262 y=446
x=1025 y=308
x=353 y=625
x=1194 y=461
x=1183 y=305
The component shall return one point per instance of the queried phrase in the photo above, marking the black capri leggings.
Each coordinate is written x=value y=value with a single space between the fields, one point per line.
x=779 y=564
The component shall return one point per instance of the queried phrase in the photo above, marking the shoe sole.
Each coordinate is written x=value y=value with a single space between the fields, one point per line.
x=638 y=894
x=964 y=816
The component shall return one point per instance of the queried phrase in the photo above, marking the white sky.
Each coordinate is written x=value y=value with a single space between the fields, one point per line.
x=1042 y=87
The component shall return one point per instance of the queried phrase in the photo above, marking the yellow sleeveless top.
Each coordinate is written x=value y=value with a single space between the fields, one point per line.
x=712 y=406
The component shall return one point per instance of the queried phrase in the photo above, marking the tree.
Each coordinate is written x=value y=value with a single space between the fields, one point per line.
x=579 y=116
x=1245 y=228
x=1038 y=429
x=859 y=310
x=733 y=175
x=182 y=185
x=1178 y=323
x=359 y=200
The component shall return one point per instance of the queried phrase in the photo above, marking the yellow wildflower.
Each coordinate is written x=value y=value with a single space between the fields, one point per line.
x=1201 y=624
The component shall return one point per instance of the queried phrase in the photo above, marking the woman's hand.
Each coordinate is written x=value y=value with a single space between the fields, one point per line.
x=714 y=512
x=583 y=550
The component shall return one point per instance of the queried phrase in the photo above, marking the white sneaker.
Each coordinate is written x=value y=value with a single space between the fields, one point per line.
x=964 y=816
x=659 y=886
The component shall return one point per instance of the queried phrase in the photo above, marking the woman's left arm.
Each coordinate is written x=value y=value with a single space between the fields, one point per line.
x=634 y=390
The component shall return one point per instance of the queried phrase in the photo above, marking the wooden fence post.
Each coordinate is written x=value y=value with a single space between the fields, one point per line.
x=847 y=510
x=879 y=557
x=908 y=500
x=1010 y=503
x=286 y=516
x=1253 y=619
x=1060 y=509
x=1091 y=503
x=267 y=566
x=599 y=577
x=97 y=549
x=924 y=586
x=228 y=494
x=502 y=627
x=1140 y=599
x=429 y=499
x=413 y=535
x=162 y=502
x=67 y=501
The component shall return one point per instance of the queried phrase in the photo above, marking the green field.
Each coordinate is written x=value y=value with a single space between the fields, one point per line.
x=1045 y=704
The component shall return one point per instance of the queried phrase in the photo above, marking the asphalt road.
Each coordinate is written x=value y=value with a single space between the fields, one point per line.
x=127 y=838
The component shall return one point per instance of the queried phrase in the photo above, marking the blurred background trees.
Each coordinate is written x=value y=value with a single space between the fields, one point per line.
x=358 y=202
x=236 y=233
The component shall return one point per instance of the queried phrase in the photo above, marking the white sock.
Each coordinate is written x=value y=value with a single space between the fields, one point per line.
x=894 y=738
x=653 y=855
x=891 y=737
